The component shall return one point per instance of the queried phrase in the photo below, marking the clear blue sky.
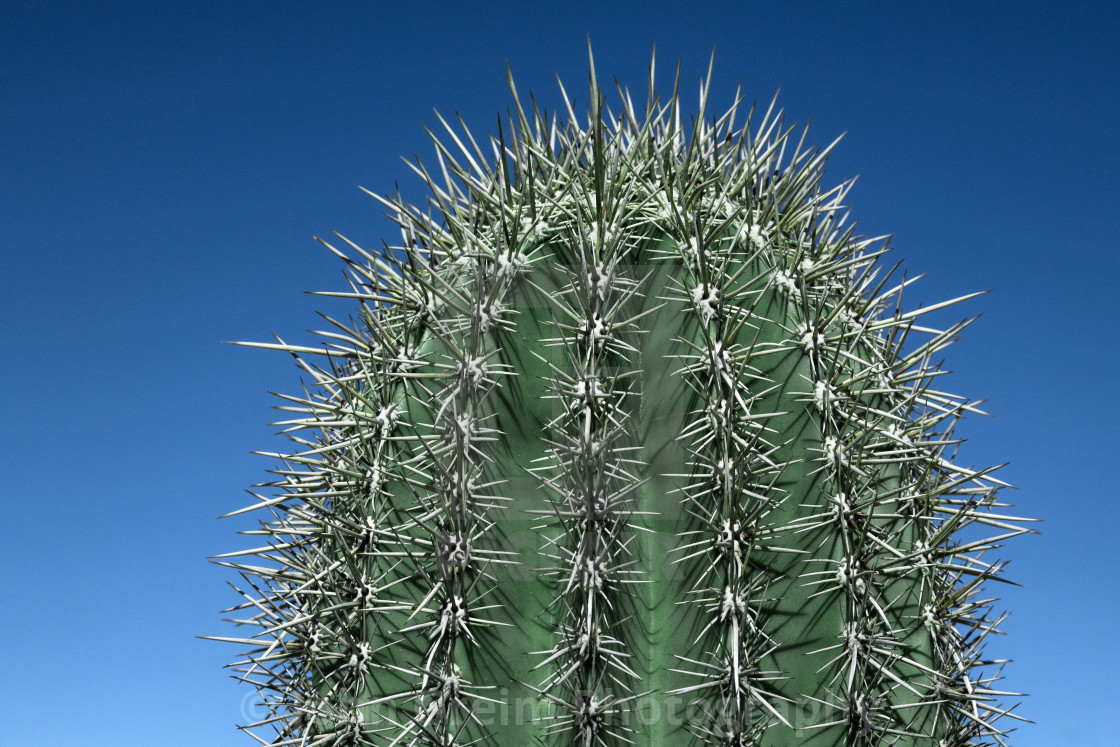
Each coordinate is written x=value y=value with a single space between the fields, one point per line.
x=163 y=167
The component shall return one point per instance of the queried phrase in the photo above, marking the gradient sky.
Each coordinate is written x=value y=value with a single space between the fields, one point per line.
x=163 y=167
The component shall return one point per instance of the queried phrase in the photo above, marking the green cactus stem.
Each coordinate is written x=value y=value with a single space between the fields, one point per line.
x=632 y=442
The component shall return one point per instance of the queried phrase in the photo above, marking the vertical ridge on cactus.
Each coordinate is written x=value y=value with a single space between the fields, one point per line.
x=632 y=442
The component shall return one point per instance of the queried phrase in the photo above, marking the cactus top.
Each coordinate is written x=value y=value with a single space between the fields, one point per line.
x=631 y=443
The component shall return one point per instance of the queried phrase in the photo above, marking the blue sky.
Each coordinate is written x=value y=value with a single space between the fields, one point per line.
x=163 y=167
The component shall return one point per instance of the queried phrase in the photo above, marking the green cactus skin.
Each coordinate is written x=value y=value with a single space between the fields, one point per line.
x=632 y=443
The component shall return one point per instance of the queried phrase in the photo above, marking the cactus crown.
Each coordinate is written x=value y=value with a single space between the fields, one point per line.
x=632 y=442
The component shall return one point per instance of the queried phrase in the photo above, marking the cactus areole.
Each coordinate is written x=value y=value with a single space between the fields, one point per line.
x=631 y=442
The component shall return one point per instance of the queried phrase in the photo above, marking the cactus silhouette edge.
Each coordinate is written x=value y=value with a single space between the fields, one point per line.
x=631 y=441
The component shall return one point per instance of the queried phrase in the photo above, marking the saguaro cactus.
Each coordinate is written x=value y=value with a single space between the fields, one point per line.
x=632 y=442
